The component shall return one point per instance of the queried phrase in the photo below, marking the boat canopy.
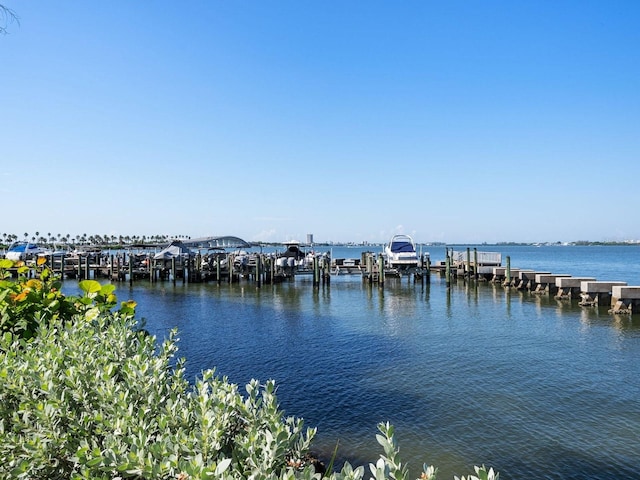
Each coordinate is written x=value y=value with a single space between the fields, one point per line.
x=174 y=249
x=402 y=246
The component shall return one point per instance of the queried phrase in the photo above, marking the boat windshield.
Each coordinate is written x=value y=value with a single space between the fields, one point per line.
x=401 y=247
x=21 y=247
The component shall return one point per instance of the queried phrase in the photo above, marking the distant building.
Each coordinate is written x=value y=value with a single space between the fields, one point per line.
x=310 y=238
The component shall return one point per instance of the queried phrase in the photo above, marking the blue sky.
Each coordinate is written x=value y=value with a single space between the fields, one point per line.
x=453 y=121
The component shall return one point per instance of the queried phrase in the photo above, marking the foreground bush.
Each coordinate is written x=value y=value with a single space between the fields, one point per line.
x=85 y=394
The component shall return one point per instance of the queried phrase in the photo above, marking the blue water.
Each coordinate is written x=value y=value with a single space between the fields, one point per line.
x=472 y=374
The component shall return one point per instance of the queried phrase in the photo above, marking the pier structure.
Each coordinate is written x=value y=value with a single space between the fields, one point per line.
x=621 y=297
x=475 y=264
x=523 y=278
x=569 y=287
x=216 y=264
x=625 y=299
x=594 y=293
x=375 y=269
x=545 y=283
x=504 y=275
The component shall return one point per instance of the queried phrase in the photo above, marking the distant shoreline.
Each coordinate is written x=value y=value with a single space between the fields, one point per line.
x=161 y=242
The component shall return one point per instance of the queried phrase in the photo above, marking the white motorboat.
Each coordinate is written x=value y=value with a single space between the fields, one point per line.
x=400 y=253
x=23 y=251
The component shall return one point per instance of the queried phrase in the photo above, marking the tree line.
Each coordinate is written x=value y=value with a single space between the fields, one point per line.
x=51 y=240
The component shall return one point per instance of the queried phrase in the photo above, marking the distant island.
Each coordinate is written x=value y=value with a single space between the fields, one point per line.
x=127 y=241
x=576 y=243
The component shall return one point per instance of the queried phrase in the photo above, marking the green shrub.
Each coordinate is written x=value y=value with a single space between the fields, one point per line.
x=85 y=394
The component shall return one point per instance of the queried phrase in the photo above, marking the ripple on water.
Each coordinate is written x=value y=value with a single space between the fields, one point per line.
x=467 y=376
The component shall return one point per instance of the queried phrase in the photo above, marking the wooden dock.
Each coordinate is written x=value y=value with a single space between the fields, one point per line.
x=261 y=269
x=620 y=297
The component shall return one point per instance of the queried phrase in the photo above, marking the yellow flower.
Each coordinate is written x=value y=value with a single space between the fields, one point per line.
x=34 y=284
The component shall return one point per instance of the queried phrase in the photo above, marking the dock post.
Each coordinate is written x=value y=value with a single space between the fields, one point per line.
x=508 y=273
x=380 y=271
x=375 y=271
x=468 y=272
x=259 y=270
x=447 y=269
x=326 y=268
x=86 y=267
x=368 y=269
x=475 y=263
x=316 y=272
x=173 y=269
x=198 y=271
x=186 y=266
x=130 y=269
x=151 y=269
x=272 y=269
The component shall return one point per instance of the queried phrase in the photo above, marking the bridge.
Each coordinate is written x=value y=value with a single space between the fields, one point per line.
x=226 y=241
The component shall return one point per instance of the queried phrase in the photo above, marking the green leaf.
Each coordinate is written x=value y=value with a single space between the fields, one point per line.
x=107 y=289
x=94 y=462
x=222 y=466
x=92 y=313
x=90 y=286
x=6 y=263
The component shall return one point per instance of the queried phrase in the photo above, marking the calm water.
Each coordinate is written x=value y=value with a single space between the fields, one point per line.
x=468 y=375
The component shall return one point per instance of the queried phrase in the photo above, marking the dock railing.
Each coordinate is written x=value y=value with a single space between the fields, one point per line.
x=484 y=258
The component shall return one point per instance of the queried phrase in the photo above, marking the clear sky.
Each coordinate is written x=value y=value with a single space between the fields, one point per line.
x=459 y=121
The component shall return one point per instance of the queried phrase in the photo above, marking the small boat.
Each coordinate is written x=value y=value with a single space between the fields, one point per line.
x=400 y=253
x=23 y=251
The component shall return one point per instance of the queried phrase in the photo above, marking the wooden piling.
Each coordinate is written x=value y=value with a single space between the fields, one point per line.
x=259 y=270
x=186 y=266
x=316 y=272
x=428 y=269
x=475 y=264
x=272 y=270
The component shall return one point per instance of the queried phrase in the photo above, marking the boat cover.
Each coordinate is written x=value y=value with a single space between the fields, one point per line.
x=175 y=249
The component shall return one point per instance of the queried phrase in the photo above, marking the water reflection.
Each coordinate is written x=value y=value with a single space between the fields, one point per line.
x=472 y=373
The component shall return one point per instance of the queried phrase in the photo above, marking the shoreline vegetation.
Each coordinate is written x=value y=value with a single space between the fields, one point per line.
x=116 y=242
x=88 y=393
